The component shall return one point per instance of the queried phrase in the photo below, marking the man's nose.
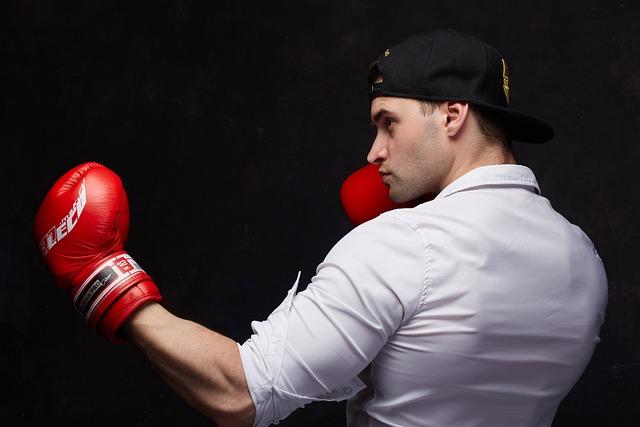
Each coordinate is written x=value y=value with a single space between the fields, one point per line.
x=378 y=151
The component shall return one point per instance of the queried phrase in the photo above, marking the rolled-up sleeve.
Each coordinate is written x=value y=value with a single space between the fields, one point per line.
x=316 y=342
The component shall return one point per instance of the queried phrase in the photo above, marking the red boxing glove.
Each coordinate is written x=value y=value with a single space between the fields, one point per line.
x=364 y=196
x=81 y=228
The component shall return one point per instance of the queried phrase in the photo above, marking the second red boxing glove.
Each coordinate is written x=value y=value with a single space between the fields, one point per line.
x=364 y=196
x=81 y=228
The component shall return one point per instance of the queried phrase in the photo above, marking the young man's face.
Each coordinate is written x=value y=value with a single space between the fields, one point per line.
x=410 y=147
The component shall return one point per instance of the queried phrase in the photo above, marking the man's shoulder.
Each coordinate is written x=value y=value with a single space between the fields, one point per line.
x=389 y=233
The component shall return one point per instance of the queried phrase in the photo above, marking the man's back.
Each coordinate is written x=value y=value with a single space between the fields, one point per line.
x=479 y=308
x=508 y=317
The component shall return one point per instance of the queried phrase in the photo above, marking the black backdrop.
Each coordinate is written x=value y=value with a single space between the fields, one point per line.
x=232 y=126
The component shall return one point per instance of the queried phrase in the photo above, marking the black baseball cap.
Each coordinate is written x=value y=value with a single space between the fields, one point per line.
x=447 y=65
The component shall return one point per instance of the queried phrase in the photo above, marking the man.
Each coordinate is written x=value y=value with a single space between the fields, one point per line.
x=481 y=307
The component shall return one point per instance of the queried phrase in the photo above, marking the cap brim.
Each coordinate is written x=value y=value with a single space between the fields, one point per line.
x=520 y=126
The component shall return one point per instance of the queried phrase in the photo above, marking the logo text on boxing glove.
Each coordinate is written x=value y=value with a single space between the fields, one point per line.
x=57 y=233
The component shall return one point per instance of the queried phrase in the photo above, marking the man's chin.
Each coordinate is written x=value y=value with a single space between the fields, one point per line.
x=398 y=198
x=409 y=198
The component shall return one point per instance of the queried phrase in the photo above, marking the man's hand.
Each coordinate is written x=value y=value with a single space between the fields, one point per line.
x=81 y=228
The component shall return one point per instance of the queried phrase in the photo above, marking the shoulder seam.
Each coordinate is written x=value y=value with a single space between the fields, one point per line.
x=426 y=282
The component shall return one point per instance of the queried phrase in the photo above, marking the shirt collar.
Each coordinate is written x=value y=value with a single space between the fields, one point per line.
x=500 y=175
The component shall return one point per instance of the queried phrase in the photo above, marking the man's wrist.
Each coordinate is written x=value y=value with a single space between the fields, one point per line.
x=144 y=317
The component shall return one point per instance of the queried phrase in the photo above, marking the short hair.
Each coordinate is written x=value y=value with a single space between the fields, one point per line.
x=490 y=127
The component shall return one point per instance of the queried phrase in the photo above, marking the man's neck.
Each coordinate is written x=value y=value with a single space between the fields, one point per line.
x=494 y=155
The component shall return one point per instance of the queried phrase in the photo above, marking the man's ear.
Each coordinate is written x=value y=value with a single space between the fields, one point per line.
x=456 y=116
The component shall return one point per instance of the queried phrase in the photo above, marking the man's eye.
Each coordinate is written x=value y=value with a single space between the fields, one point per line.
x=388 y=122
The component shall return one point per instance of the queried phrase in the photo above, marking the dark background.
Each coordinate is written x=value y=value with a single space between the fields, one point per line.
x=232 y=125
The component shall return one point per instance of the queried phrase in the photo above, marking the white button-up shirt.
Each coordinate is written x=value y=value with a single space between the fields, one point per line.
x=481 y=307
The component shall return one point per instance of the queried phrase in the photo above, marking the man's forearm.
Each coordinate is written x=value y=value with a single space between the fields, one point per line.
x=202 y=366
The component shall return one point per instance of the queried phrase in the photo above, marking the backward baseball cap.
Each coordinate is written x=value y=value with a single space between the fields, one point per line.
x=446 y=65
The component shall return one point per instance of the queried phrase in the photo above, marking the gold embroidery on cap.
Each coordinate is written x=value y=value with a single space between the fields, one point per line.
x=505 y=80
x=387 y=53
